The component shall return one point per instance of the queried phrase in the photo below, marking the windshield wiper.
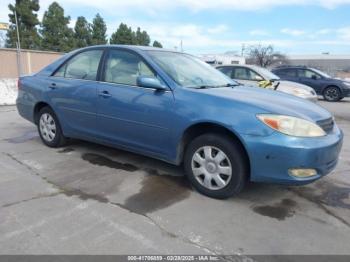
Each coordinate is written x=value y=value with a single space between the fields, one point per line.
x=230 y=85
x=209 y=86
x=204 y=87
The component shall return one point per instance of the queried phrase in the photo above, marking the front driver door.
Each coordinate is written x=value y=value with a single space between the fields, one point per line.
x=310 y=78
x=129 y=115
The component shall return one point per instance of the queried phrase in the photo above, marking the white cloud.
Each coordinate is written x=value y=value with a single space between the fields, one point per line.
x=259 y=32
x=219 y=29
x=293 y=32
x=324 y=31
x=344 y=33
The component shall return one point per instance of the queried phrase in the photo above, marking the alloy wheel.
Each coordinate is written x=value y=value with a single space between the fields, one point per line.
x=332 y=94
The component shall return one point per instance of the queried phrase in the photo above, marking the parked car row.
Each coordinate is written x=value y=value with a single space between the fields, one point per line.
x=257 y=76
x=174 y=107
x=331 y=89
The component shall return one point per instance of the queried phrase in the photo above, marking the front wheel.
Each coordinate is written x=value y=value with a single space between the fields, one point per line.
x=216 y=166
x=332 y=94
x=49 y=128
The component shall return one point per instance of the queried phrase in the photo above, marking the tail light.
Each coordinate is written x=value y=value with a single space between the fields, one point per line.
x=18 y=83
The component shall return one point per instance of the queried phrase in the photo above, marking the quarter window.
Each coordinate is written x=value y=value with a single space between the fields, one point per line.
x=124 y=68
x=82 y=66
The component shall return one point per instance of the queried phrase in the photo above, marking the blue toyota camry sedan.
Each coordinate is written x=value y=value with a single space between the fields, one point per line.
x=174 y=107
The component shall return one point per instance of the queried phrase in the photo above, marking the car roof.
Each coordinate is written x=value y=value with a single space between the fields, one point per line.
x=234 y=65
x=291 y=67
x=130 y=47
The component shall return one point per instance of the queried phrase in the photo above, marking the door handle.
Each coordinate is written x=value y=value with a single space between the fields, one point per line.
x=53 y=86
x=105 y=94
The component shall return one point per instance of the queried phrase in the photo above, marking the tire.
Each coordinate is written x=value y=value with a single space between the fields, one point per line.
x=215 y=169
x=48 y=121
x=332 y=94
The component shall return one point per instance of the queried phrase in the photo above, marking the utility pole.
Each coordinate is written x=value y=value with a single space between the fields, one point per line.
x=19 y=62
x=181 y=48
x=243 y=49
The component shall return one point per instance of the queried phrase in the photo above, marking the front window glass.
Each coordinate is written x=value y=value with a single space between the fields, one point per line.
x=82 y=66
x=124 y=67
x=243 y=73
x=308 y=74
x=253 y=76
x=321 y=73
x=189 y=71
x=266 y=73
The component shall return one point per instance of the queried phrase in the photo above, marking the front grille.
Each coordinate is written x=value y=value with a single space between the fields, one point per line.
x=327 y=124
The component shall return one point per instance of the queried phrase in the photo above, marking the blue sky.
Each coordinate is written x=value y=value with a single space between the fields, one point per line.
x=216 y=26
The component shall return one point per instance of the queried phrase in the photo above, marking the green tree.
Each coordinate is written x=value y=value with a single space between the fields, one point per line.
x=56 y=35
x=99 y=29
x=157 y=44
x=27 y=21
x=123 y=36
x=82 y=32
x=142 y=38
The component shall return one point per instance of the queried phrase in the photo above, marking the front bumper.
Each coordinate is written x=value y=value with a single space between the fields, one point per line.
x=346 y=92
x=312 y=98
x=272 y=156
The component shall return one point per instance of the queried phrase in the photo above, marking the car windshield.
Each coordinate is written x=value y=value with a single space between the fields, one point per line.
x=189 y=71
x=321 y=73
x=267 y=74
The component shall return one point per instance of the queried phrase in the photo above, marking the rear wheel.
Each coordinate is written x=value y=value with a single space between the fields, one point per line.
x=332 y=94
x=216 y=166
x=49 y=128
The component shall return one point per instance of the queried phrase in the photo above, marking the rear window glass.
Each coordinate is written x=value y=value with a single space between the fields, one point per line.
x=82 y=66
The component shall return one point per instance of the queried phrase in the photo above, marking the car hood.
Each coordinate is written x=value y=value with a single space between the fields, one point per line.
x=290 y=84
x=269 y=101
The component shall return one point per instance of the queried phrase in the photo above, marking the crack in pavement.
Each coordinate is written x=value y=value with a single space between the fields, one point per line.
x=167 y=232
x=32 y=198
x=321 y=206
x=82 y=195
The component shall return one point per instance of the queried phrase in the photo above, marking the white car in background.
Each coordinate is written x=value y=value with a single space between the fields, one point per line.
x=251 y=75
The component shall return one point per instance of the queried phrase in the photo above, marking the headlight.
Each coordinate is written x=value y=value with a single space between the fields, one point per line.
x=300 y=92
x=292 y=126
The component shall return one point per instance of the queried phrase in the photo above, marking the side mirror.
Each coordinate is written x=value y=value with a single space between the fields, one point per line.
x=150 y=82
x=314 y=77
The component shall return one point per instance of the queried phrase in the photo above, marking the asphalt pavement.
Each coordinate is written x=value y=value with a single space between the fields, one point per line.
x=90 y=199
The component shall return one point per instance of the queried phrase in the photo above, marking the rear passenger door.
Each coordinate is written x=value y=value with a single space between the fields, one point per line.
x=288 y=74
x=73 y=92
x=131 y=115
x=227 y=70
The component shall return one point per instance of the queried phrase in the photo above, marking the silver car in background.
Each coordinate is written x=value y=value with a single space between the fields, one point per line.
x=251 y=75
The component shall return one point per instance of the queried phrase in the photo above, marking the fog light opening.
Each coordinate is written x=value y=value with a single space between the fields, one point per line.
x=302 y=172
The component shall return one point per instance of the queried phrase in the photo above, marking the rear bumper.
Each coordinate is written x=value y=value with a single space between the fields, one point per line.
x=271 y=157
x=25 y=110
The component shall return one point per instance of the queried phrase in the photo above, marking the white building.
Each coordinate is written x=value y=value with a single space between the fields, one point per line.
x=222 y=59
x=332 y=64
